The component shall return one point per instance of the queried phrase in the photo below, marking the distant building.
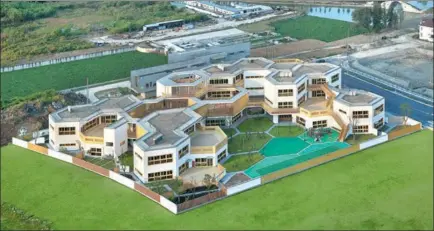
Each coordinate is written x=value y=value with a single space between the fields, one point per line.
x=163 y=25
x=426 y=29
x=232 y=9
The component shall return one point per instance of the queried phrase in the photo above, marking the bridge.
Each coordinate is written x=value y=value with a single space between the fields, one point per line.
x=406 y=7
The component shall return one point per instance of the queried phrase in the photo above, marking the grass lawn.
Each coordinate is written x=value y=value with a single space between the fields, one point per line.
x=128 y=159
x=13 y=218
x=229 y=131
x=285 y=131
x=254 y=143
x=359 y=138
x=258 y=124
x=310 y=27
x=385 y=187
x=73 y=74
x=242 y=162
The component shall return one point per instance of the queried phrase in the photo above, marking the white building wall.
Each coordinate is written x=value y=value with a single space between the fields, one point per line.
x=62 y=139
x=426 y=33
x=118 y=136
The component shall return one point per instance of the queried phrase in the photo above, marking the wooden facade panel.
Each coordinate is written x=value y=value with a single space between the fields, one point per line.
x=89 y=166
x=147 y=192
x=404 y=131
x=37 y=148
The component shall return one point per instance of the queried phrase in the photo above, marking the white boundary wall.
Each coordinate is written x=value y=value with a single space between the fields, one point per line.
x=66 y=59
x=243 y=186
x=411 y=121
x=378 y=140
x=20 y=143
x=168 y=205
x=121 y=179
x=60 y=156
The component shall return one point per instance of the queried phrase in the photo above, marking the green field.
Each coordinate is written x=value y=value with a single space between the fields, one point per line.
x=310 y=27
x=242 y=162
x=386 y=187
x=258 y=124
x=73 y=74
x=246 y=143
x=286 y=131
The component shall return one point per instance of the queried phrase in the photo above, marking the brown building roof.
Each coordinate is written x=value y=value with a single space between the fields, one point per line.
x=428 y=22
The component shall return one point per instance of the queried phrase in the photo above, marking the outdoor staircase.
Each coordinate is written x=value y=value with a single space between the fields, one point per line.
x=344 y=127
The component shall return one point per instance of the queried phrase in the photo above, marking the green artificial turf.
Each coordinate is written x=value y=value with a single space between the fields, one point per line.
x=246 y=143
x=286 y=131
x=385 y=187
x=311 y=27
x=73 y=74
x=242 y=162
x=258 y=124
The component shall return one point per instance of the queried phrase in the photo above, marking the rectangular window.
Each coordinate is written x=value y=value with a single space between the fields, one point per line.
x=239 y=77
x=161 y=159
x=201 y=162
x=300 y=121
x=237 y=117
x=360 y=114
x=183 y=167
x=90 y=124
x=51 y=126
x=285 y=92
x=285 y=117
x=219 y=94
x=95 y=151
x=342 y=111
x=183 y=152
x=301 y=88
x=254 y=77
x=301 y=100
x=360 y=129
x=108 y=119
x=221 y=156
x=254 y=88
x=160 y=175
x=285 y=104
x=320 y=124
x=379 y=124
x=218 y=81
x=109 y=144
x=318 y=93
x=318 y=81
x=335 y=78
x=140 y=173
x=189 y=130
x=138 y=156
x=122 y=143
x=67 y=145
x=379 y=109
x=215 y=122
x=67 y=131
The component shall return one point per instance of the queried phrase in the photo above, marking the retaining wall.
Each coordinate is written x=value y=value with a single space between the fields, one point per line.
x=381 y=139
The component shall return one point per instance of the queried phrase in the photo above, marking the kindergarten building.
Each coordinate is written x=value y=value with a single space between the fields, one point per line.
x=178 y=134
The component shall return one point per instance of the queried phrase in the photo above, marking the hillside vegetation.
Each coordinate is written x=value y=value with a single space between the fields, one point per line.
x=33 y=28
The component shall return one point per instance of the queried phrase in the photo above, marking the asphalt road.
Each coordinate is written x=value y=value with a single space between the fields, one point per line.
x=419 y=110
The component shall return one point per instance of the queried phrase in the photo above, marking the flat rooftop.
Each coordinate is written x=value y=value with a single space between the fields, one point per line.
x=357 y=97
x=165 y=124
x=97 y=131
x=249 y=63
x=206 y=138
x=79 y=112
x=312 y=69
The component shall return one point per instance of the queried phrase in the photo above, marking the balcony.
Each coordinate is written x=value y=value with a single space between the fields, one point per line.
x=91 y=139
x=207 y=140
x=315 y=107
x=271 y=110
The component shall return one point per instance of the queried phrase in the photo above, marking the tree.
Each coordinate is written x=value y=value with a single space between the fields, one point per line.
x=377 y=12
x=363 y=17
x=208 y=181
x=353 y=123
x=405 y=111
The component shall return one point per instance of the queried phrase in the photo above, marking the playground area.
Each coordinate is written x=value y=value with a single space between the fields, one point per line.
x=284 y=152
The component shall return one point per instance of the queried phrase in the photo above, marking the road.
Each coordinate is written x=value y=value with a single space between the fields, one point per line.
x=420 y=111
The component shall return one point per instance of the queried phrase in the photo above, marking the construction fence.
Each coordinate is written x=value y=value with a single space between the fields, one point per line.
x=413 y=126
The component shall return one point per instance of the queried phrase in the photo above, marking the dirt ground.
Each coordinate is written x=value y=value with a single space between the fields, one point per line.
x=414 y=65
x=287 y=48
